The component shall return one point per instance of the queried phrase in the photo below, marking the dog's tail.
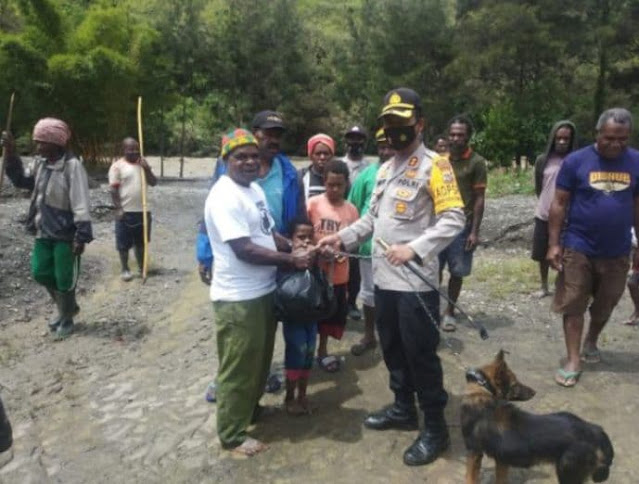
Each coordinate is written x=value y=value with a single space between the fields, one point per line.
x=605 y=454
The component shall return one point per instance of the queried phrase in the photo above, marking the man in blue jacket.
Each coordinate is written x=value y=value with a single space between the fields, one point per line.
x=278 y=179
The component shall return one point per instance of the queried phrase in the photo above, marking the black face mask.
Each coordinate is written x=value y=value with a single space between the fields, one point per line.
x=356 y=149
x=400 y=137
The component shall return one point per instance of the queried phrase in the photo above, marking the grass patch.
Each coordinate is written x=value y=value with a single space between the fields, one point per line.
x=503 y=182
x=500 y=278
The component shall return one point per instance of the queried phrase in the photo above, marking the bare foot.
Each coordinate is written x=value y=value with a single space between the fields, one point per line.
x=306 y=406
x=632 y=320
x=249 y=448
x=542 y=293
x=294 y=408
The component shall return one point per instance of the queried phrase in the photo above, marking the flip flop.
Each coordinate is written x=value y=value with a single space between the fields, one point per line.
x=449 y=323
x=567 y=378
x=358 y=349
x=591 y=356
x=329 y=363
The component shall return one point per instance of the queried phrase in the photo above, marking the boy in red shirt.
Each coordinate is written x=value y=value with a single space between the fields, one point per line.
x=330 y=212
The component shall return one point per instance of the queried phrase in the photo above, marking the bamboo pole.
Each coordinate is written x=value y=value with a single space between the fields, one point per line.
x=9 y=118
x=145 y=221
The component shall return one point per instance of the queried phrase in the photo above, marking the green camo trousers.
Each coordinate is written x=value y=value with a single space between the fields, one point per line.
x=245 y=339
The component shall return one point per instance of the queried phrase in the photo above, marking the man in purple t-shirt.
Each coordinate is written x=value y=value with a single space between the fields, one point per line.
x=597 y=197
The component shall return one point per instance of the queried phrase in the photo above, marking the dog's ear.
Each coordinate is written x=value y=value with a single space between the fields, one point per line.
x=500 y=356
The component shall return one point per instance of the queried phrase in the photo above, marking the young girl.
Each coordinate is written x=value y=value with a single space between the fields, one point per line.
x=329 y=213
x=299 y=338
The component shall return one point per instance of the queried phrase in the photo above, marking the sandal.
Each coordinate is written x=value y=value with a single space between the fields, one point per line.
x=632 y=322
x=329 y=363
x=591 y=356
x=449 y=323
x=567 y=378
x=362 y=347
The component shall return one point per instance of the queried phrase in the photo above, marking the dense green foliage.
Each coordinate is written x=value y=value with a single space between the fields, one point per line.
x=202 y=66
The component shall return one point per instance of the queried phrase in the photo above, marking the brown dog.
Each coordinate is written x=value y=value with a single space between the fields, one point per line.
x=514 y=438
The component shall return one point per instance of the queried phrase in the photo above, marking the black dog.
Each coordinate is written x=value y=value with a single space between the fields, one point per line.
x=514 y=438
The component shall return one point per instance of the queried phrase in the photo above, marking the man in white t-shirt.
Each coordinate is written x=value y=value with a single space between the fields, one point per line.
x=125 y=180
x=247 y=252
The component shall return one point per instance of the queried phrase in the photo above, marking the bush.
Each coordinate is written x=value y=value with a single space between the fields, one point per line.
x=505 y=181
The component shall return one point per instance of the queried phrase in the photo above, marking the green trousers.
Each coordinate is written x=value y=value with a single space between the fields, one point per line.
x=245 y=339
x=52 y=264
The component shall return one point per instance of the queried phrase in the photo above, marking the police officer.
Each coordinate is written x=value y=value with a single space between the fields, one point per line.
x=416 y=207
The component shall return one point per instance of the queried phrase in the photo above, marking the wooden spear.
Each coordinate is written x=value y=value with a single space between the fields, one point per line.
x=9 y=116
x=145 y=221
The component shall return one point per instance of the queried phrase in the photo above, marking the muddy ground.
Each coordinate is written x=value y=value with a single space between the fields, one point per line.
x=123 y=399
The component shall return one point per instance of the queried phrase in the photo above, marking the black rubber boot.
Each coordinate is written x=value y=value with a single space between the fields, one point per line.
x=431 y=443
x=68 y=308
x=55 y=322
x=395 y=416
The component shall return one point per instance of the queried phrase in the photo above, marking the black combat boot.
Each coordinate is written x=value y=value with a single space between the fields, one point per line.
x=396 y=416
x=431 y=443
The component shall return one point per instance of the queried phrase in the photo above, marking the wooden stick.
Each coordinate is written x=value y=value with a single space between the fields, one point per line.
x=9 y=118
x=145 y=221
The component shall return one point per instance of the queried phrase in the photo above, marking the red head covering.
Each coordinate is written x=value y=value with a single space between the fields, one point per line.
x=320 y=138
x=52 y=130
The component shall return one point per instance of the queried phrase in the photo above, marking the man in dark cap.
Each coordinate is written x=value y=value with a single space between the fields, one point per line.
x=355 y=138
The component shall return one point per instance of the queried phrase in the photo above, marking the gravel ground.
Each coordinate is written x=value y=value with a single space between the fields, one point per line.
x=123 y=399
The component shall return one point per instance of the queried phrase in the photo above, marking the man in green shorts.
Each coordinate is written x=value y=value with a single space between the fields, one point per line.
x=59 y=214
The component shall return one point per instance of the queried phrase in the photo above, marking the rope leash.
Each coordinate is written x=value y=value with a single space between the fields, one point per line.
x=404 y=270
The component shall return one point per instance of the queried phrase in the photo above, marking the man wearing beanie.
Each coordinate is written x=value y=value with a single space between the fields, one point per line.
x=241 y=231
x=417 y=209
x=59 y=214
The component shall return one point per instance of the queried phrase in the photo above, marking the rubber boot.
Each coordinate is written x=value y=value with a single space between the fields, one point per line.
x=430 y=444
x=69 y=308
x=55 y=322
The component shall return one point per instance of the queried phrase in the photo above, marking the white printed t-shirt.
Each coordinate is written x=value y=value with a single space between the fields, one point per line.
x=231 y=212
x=127 y=178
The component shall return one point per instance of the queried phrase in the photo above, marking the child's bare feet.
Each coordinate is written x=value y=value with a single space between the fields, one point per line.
x=293 y=407
x=632 y=320
x=306 y=406
x=249 y=448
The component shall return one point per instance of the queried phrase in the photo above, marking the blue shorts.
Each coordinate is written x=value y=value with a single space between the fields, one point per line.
x=129 y=231
x=458 y=259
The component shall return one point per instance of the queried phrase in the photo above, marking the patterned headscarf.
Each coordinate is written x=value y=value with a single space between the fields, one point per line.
x=320 y=138
x=52 y=130
x=236 y=138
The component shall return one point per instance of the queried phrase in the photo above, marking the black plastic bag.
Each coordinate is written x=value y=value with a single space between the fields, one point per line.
x=304 y=297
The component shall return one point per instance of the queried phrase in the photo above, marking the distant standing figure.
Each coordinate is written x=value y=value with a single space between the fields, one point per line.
x=125 y=181
x=441 y=144
x=321 y=149
x=470 y=172
x=562 y=141
x=355 y=138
